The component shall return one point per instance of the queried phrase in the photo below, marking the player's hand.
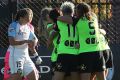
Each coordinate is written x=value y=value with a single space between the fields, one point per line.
x=102 y=31
x=38 y=60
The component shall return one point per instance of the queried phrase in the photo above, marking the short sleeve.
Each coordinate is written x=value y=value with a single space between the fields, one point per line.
x=32 y=36
x=12 y=30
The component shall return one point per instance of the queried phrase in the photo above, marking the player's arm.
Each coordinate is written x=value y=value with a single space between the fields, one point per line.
x=102 y=31
x=32 y=45
x=13 y=42
x=53 y=34
x=67 y=19
x=51 y=37
x=12 y=34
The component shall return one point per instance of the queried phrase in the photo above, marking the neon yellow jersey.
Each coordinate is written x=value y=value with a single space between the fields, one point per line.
x=54 y=54
x=49 y=25
x=89 y=36
x=103 y=42
x=68 y=38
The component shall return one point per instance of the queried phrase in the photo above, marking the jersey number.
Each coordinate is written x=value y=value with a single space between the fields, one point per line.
x=92 y=40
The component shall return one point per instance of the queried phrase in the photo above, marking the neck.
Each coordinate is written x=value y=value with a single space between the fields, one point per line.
x=21 y=22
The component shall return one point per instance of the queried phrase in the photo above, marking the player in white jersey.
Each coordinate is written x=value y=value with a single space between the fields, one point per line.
x=20 y=36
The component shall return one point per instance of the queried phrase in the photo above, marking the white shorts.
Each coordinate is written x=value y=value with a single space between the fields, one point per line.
x=20 y=61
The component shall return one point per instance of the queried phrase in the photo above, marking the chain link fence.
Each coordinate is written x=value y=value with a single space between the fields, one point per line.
x=101 y=7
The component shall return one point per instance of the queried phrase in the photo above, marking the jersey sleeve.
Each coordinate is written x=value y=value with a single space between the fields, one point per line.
x=32 y=36
x=11 y=30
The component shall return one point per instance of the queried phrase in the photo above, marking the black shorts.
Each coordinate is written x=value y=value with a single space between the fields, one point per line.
x=53 y=67
x=108 y=56
x=91 y=62
x=66 y=63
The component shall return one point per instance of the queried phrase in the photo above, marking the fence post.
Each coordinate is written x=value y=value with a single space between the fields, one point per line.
x=13 y=8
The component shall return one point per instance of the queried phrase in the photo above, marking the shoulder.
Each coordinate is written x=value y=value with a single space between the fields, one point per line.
x=13 y=24
x=31 y=27
x=75 y=20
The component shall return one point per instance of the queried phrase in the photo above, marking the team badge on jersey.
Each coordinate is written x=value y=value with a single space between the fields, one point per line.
x=82 y=67
x=11 y=29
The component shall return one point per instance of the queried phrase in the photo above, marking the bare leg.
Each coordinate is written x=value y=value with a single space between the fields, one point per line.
x=93 y=76
x=15 y=76
x=58 y=76
x=85 y=76
x=101 y=75
x=67 y=78
x=75 y=76
x=106 y=72
x=32 y=76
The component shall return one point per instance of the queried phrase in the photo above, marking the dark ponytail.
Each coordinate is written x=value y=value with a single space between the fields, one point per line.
x=54 y=15
x=83 y=10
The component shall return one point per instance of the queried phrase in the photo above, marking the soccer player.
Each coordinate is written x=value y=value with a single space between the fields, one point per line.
x=107 y=56
x=20 y=36
x=53 y=16
x=91 y=44
x=6 y=61
x=67 y=51
x=42 y=25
